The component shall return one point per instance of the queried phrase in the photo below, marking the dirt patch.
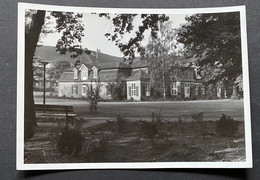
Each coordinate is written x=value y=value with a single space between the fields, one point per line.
x=105 y=142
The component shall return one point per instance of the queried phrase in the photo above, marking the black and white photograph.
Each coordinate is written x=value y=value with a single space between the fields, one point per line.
x=104 y=88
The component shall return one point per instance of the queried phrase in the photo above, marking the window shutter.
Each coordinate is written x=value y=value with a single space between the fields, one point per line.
x=137 y=92
x=129 y=90
x=72 y=89
x=76 y=89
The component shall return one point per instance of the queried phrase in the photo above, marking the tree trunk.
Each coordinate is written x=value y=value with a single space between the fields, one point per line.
x=31 y=40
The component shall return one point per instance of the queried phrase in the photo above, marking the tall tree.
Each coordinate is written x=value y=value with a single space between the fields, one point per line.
x=214 y=43
x=72 y=31
x=161 y=56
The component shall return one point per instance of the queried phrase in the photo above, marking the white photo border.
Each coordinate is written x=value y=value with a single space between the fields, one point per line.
x=125 y=165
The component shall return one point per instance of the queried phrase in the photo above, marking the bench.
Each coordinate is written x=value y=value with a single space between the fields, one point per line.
x=57 y=108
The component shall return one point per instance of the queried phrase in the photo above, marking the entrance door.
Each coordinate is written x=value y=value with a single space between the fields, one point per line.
x=187 y=90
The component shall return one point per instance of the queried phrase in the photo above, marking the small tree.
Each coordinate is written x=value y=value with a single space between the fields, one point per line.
x=93 y=96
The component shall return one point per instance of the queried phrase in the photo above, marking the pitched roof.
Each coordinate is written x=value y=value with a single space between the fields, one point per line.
x=67 y=77
x=136 y=75
x=139 y=64
x=105 y=75
x=112 y=65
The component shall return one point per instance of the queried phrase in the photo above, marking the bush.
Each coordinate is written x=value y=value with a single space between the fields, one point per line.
x=226 y=126
x=121 y=122
x=149 y=129
x=70 y=141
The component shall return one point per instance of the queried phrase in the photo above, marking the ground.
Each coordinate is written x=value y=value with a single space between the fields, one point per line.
x=105 y=140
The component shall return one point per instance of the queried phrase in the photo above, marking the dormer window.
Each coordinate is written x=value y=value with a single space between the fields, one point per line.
x=95 y=72
x=75 y=73
x=84 y=72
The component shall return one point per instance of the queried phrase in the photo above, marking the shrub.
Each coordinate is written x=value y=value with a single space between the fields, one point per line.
x=93 y=96
x=149 y=129
x=121 y=122
x=70 y=141
x=226 y=126
x=197 y=117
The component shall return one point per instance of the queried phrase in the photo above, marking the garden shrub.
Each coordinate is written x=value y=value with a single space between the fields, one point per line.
x=70 y=141
x=226 y=126
x=121 y=122
x=149 y=129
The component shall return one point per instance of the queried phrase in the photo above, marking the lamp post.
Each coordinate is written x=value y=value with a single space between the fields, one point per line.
x=44 y=63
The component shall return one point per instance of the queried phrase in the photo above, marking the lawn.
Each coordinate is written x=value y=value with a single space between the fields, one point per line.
x=212 y=109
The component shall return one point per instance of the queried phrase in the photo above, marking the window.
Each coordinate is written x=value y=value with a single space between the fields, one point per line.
x=84 y=89
x=94 y=72
x=133 y=90
x=174 y=90
x=147 y=89
x=84 y=74
x=75 y=89
x=196 y=89
x=187 y=88
x=203 y=90
x=75 y=74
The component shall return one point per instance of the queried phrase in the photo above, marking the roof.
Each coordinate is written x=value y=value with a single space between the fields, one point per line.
x=139 y=64
x=136 y=75
x=67 y=77
x=112 y=65
x=105 y=75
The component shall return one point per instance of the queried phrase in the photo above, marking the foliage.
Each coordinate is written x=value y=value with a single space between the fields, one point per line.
x=197 y=117
x=149 y=129
x=156 y=117
x=161 y=54
x=116 y=88
x=71 y=26
x=93 y=96
x=70 y=141
x=226 y=126
x=123 y=24
x=121 y=122
x=213 y=41
x=56 y=71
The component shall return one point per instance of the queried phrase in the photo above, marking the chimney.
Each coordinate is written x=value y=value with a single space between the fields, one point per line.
x=97 y=53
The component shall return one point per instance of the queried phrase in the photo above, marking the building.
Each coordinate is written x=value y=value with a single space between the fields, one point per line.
x=187 y=84
x=134 y=81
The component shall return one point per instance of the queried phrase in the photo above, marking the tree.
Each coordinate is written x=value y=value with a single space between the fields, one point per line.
x=214 y=43
x=123 y=24
x=93 y=96
x=72 y=31
x=161 y=56
x=59 y=67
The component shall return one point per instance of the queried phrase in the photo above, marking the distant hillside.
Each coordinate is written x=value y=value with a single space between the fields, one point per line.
x=49 y=53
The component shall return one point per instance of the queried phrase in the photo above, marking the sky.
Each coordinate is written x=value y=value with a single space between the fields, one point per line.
x=96 y=27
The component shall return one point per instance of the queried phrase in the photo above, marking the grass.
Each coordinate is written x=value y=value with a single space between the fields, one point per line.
x=212 y=109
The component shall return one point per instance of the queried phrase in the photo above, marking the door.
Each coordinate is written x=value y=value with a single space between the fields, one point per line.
x=187 y=90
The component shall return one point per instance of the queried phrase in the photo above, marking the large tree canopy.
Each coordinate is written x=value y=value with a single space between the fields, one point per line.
x=214 y=41
x=123 y=24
